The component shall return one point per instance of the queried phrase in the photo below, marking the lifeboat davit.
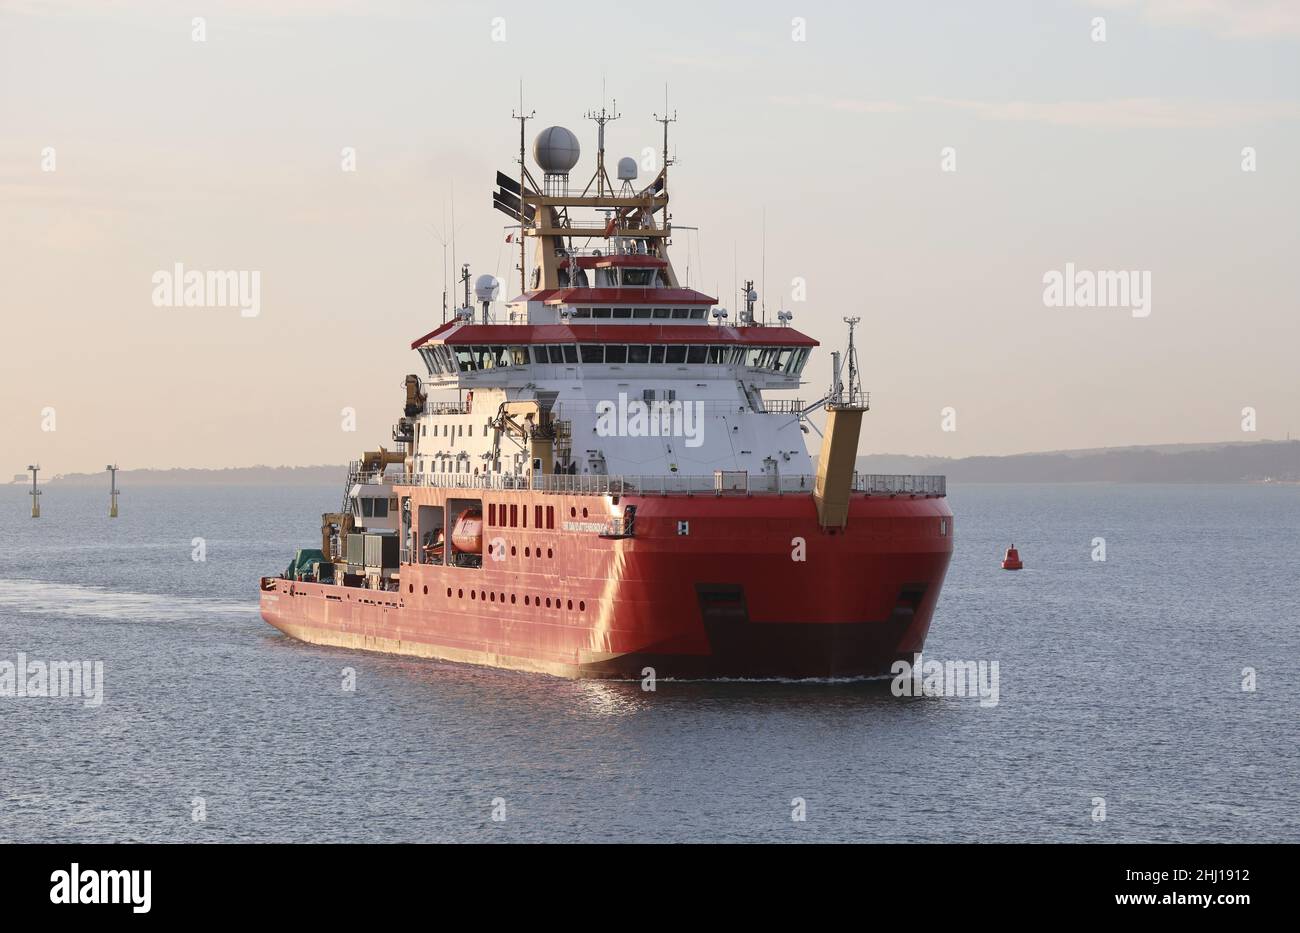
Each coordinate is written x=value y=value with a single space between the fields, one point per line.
x=467 y=533
x=1012 y=560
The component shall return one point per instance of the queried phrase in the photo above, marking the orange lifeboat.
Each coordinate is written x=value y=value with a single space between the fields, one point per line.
x=467 y=533
x=1012 y=560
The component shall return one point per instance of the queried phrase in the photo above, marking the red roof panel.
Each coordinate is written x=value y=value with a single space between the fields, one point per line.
x=519 y=334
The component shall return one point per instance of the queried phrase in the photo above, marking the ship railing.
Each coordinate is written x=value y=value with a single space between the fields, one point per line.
x=719 y=483
x=893 y=484
x=783 y=406
x=855 y=398
x=446 y=408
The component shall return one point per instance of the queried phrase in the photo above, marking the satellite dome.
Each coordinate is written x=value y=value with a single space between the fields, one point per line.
x=556 y=150
x=486 y=288
x=627 y=169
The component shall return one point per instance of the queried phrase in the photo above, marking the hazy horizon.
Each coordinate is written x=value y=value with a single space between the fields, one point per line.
x=224 y=154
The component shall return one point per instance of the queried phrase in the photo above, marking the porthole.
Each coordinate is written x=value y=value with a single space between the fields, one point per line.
x=527 y=600
x=426 y=591
x=494 y=597
x=513 y=550
x=549 y=553
x=584 y=513
x=512 y=599
x=582 y=606
x=573 y=512
x=548 y=602
x=473 y=595
x=570 y=606
x=410 y=587
x=449 y=592
x=528 y=552
x=460 y=594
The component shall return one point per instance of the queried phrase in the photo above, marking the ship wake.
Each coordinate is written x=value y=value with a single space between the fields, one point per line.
x=71 y=600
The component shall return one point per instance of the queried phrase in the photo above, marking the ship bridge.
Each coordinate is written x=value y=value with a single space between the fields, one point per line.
x=601 y=326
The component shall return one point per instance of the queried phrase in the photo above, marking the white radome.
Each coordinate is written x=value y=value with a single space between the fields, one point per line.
x=627 y=169
x=487 y=287
x=556 y=150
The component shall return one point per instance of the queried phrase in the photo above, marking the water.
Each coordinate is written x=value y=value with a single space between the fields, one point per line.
x=1119 y=680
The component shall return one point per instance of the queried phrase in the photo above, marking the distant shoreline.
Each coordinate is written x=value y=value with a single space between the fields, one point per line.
x=1250 y=462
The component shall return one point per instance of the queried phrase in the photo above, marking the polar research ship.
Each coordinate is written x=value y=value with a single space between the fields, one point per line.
x=590 y=479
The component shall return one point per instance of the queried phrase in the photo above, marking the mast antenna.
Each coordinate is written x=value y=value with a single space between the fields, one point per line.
x=665 y=120
x=600 y=119
x=443 y=235
x=453 y=226
x=855 y=381
x=523 y=118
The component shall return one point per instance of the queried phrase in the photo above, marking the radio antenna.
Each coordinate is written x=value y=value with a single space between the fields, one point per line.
x=523 y=118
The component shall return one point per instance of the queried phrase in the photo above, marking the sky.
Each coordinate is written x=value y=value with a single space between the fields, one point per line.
x=925 y=166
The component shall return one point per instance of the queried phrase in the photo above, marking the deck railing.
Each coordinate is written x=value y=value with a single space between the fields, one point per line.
x=722 y=483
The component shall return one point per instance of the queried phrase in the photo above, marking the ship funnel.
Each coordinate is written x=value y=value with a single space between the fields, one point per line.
x=836 y=464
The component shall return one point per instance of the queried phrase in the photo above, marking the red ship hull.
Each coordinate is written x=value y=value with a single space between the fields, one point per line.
x=727 y=598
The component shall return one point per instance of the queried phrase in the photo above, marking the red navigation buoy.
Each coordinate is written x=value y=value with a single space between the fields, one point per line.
x=1012 y=560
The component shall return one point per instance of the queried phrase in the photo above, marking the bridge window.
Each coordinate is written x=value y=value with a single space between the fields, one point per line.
x=638 y=354
x=674 y=354
x=696 y=354
x=662 y=313
x=580 y=313
x=638 y=277
x=592 y=352
x=657 y=354
x=600 y=312
x=622 y=313
x=641 y=314
x=615 y=354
